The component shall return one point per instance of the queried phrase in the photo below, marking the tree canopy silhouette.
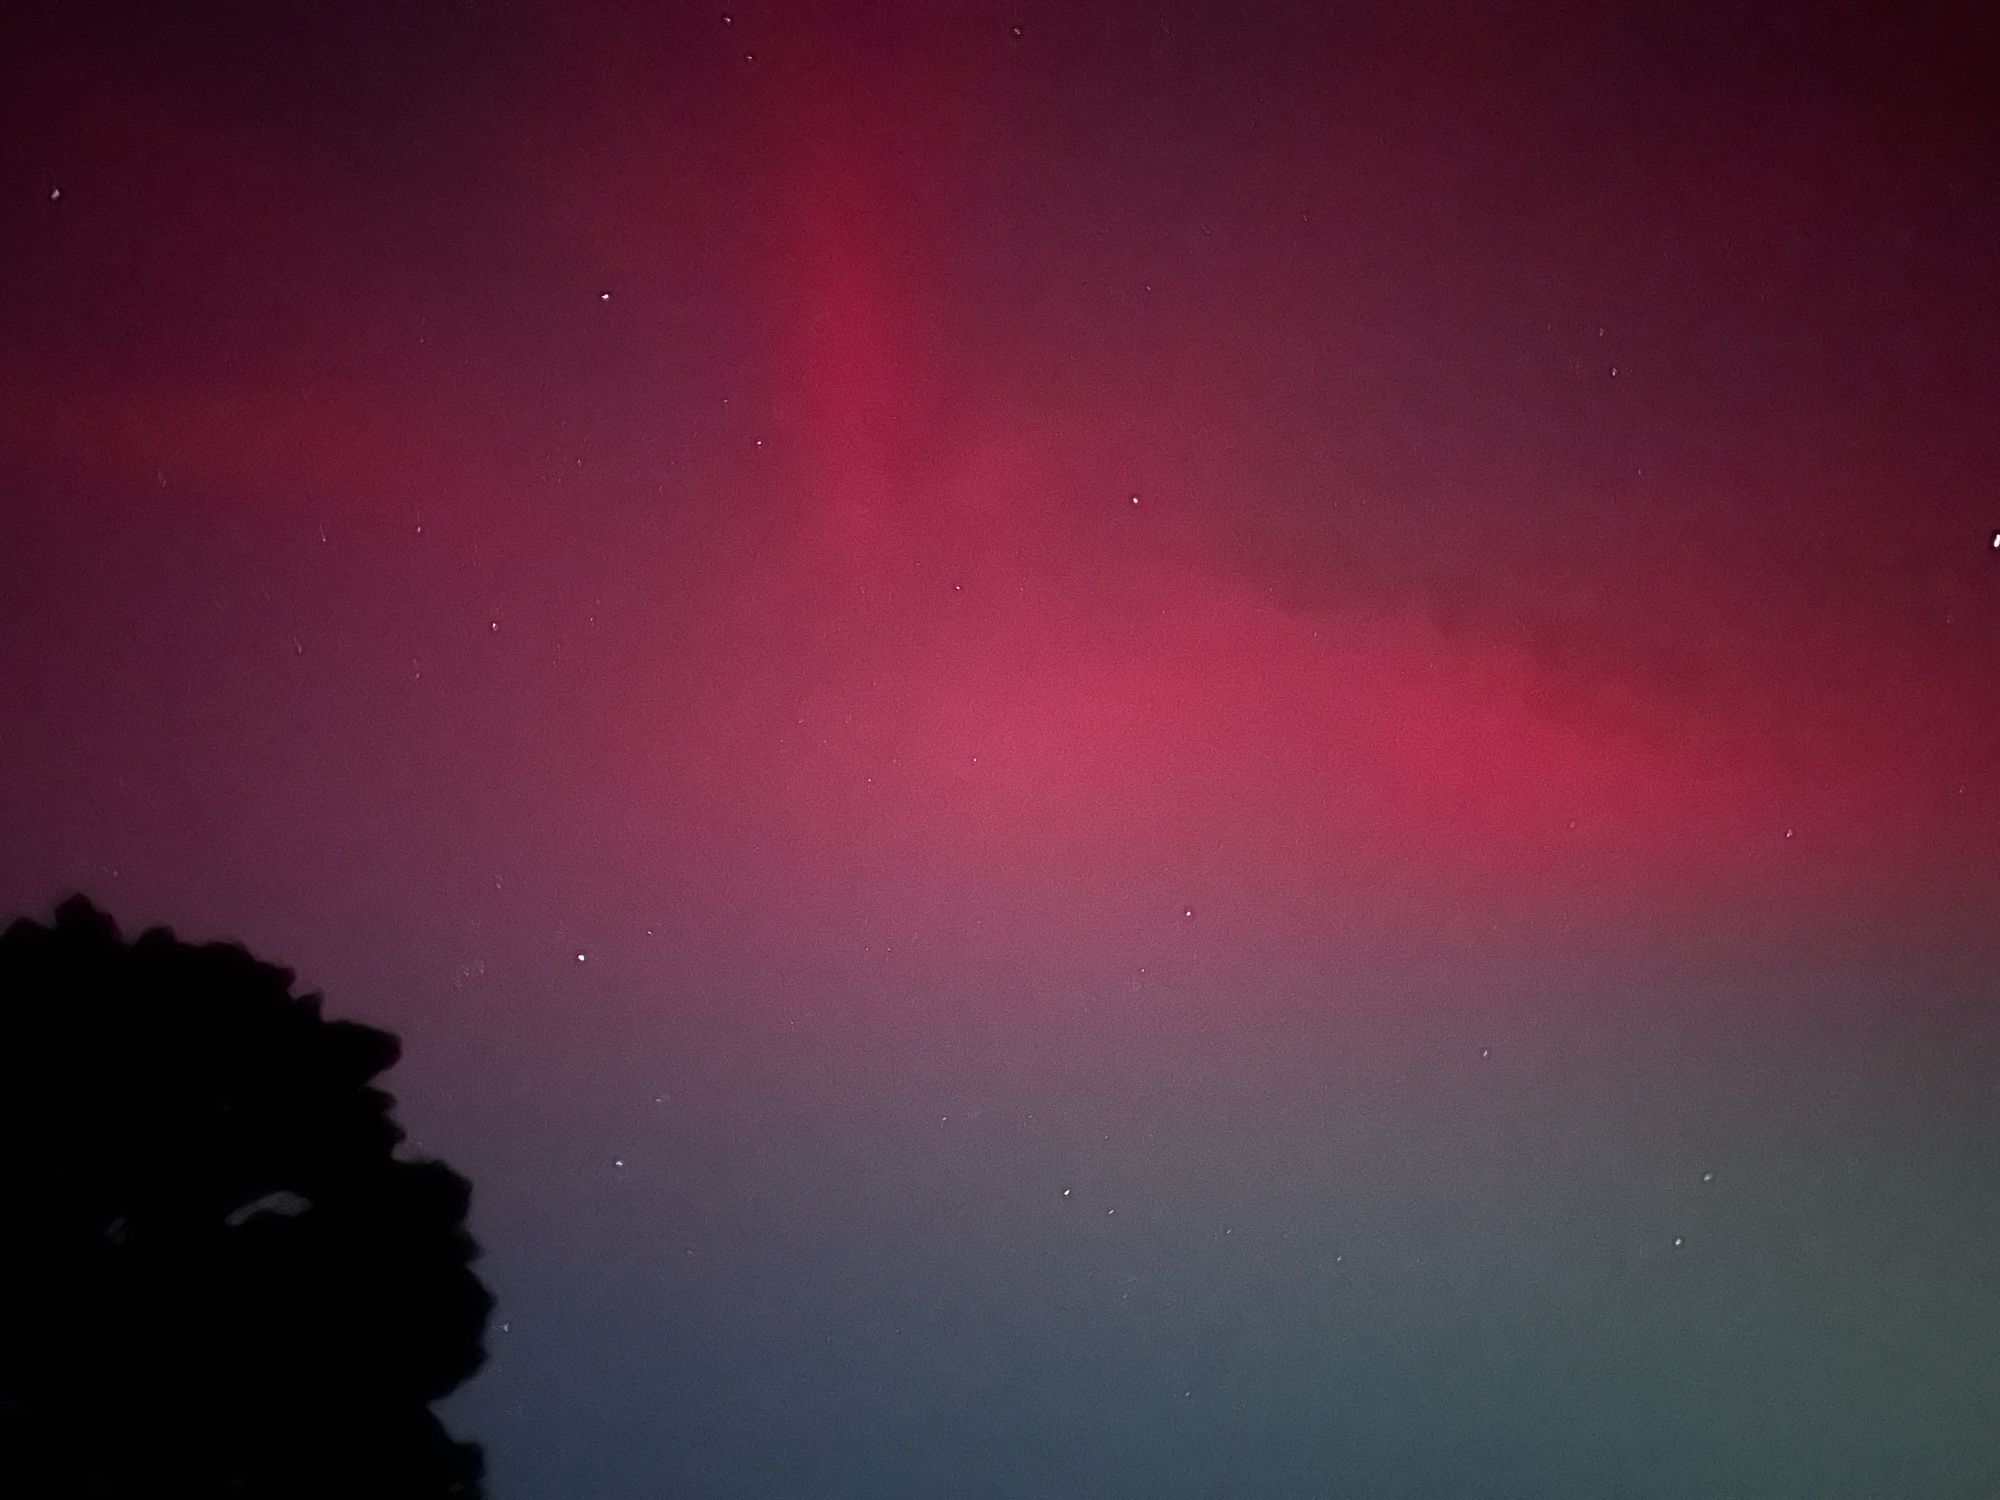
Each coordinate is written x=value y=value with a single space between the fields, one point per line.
x=217 y=1278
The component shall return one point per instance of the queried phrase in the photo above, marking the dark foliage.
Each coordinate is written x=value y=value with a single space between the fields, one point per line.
x=216 y=1277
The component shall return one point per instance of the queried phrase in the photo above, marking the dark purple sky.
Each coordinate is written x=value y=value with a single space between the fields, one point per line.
x=1165 y=712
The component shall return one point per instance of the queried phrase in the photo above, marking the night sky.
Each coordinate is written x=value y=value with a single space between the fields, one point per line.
x=1092 y=750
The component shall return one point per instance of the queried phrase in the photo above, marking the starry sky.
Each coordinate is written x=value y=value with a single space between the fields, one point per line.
x=1129 y=750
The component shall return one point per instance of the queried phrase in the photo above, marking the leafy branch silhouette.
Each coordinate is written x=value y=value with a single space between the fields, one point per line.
x=218 y=1278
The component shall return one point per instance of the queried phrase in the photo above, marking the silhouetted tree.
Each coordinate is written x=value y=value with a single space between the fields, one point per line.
x=216 y=1277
